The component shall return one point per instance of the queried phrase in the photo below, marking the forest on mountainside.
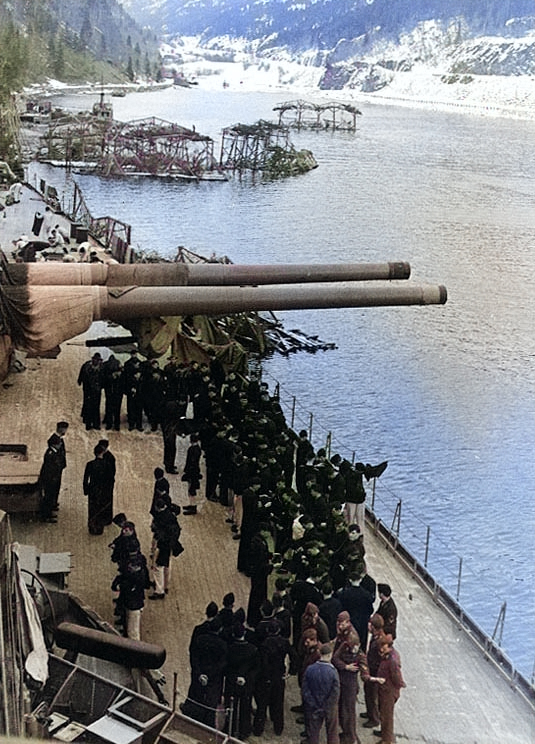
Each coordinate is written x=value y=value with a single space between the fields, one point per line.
x=74 y=41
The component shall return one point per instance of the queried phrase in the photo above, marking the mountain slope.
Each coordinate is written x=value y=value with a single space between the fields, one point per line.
x=358 y=43
x=320 y=24
x=61 y=29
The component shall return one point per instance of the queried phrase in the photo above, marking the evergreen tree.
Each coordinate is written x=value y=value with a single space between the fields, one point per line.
x=52 y=47
x=130 y=70
x=58 y=61
x=86 y=32
x=13 y=63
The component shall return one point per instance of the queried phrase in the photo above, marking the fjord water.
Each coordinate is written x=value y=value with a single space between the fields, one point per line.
x=445 y=394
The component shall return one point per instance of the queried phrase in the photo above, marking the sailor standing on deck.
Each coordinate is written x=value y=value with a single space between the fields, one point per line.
x=349 y=659
x=259 y=569
x=50 y=479
x=355 y=494
x=359 y=603
x=161 y=489
x=387 y=609
x=208 y=658
x=371 y=686
x=109 y=459
x=390 y=683
x=61 y=430
x=243 y=664
x=54 y=463
x=90 y=378
x=97 y=491
x=321 y=691
x=192 y=473
x=166 y=534
x=132 y=388
x=304 y=453
x=131 y=585
x=171 y=412
x=113 y=384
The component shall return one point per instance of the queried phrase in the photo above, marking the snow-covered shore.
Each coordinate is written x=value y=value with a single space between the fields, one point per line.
x=485 y=95
x=423 y=87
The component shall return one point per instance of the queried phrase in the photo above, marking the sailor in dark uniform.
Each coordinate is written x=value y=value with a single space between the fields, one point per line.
x=192 y=473
x=96 y=488
x=132 y=584
x=259 y=570
x=90 y=378
x=50 y=479
x=271 y=680
x=109 y=459
x=243 y=662
x=208 y=657
x=113 y=384
x=132 y=374
x=161 y=489
x=171 y=412
x=302 y=592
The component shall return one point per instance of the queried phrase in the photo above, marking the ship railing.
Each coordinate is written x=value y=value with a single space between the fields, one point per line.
x=114 y=235
x=490 y=645
x=425 y=553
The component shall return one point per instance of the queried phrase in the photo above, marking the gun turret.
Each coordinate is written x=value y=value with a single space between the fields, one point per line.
x=40 y=318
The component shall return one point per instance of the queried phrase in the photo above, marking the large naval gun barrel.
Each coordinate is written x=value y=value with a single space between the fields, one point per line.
x=200 y=274
x=42 y=317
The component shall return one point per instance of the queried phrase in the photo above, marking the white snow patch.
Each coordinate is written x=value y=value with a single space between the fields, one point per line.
x=422 y=87
x=489 y=95
x=252 y=74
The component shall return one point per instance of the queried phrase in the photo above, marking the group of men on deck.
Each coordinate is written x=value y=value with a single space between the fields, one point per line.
x=290 y=508
x=298 y=514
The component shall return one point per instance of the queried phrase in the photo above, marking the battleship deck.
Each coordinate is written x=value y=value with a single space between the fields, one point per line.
x=453 y=695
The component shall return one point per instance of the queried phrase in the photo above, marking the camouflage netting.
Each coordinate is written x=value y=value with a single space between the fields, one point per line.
x=194 y=338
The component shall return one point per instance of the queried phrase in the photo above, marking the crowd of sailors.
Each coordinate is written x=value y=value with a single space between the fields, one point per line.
x=298 y=514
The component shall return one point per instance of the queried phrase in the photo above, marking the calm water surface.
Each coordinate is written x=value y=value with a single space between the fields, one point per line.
x=445 y=394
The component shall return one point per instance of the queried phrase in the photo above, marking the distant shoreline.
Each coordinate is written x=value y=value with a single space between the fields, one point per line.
x=423 y=87
x=55 y=88
x=493 y=96
x=489 y=96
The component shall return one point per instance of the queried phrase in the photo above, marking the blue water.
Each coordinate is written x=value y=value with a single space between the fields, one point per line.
x=445 y=394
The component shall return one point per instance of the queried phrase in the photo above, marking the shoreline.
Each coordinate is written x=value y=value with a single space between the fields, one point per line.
x=490 y=96
x=424 y=88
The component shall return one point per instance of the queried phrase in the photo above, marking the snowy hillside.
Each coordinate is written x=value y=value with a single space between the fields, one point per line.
x=322 y=23
x=236 y=66
x=398 y=49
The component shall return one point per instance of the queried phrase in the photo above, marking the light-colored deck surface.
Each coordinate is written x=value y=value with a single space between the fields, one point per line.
x=453 y=695
x=17 y=219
